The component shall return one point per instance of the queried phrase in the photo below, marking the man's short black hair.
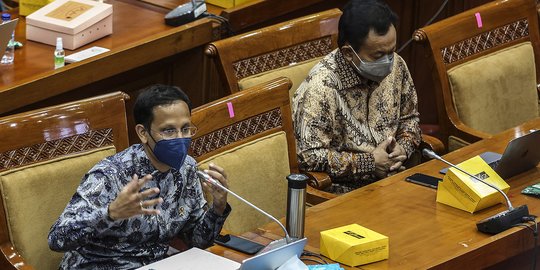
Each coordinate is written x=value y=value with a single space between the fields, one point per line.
x=153 y=96
x=359 y=16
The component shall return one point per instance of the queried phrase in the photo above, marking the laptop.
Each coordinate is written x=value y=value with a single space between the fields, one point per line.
x=198 y=259
x=274 y=258
x=521 y=154
x=6 y=29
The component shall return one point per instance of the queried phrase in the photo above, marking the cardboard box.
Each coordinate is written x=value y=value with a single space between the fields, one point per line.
x=227 y=3
x=354 y=245
x=27 y=7
x=77 y=22
x=463 y=192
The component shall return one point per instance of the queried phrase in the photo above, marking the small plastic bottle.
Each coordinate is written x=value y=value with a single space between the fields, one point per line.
x=59 y=54
x=9 y=54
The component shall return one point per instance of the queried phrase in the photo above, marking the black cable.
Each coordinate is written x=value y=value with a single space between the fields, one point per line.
x=535 y=249
x=308 y=253
x=428 y=22
x=531 y=219
x=311 y=260
x=224 y=21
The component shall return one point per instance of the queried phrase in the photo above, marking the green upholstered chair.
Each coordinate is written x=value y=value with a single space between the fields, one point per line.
x=486 y=69
x=43 y=156
x=250 y=134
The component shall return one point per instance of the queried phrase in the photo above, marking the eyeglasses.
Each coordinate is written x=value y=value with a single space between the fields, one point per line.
x=172 y=133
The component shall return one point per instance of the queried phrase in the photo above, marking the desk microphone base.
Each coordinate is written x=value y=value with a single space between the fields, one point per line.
x=503 y=221
x=185 y=13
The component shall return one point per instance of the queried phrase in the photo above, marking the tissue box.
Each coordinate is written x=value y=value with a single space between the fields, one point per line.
x=26 y=7
x=77 y=22
x=354 y=245
x=463 y=192
x=227 y=3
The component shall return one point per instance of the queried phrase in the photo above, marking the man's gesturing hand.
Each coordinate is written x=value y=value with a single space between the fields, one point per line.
x=130 y=202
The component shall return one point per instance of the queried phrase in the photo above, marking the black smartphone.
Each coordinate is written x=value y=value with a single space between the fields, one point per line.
x=424 y=180
x=238 y=243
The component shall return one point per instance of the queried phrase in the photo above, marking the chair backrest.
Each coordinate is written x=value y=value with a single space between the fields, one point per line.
x=250 y=135
x=43 y=156
x=287 y=49
x=487 y=65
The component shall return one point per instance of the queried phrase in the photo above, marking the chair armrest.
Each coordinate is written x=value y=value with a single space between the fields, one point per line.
x=432 y=143
x=469 y=134
x=316 y=183
x=318 y=180
x=315 y=196
x=12 y=259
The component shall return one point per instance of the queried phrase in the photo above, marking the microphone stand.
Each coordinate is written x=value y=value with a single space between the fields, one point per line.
x=496 y=223
x=213 y=182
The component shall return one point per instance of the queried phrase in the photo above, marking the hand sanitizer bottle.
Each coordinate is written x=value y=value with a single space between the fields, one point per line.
x=59 y=54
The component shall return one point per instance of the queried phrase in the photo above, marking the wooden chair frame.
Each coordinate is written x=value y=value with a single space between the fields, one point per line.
x=274 y=46
x=52 y=132
x=458 y=39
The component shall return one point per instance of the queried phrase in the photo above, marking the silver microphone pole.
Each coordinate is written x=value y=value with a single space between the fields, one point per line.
x=213 y=182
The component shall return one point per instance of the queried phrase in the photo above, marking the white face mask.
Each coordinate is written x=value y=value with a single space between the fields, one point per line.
x=376 y=70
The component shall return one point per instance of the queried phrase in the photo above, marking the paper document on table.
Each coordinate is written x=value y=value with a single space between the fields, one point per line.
x=193 y=259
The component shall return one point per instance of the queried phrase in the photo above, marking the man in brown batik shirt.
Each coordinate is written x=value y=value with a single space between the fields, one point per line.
x=356 y=114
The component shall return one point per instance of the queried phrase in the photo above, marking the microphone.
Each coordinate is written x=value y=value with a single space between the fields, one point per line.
x=496 y=223
x=213 y=182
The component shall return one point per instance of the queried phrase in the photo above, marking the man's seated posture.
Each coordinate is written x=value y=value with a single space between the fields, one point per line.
x=129 y=206
x=356 y=113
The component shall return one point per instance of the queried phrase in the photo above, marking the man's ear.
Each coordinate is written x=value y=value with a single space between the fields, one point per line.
x=346 y=50
x=141 y=132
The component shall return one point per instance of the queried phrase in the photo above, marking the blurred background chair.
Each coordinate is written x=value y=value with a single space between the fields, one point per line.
x=250 y=134
x=486 y=69
x=289 y=49
x=43 y=156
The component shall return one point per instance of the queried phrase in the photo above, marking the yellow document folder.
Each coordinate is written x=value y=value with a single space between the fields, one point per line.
x=354 y=245
x=466 y=193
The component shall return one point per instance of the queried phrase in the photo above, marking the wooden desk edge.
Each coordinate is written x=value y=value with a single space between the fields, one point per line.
x=55 y=82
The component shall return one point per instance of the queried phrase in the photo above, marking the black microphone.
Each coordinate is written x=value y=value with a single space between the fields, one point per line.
x=496 y=223
x=216 y=183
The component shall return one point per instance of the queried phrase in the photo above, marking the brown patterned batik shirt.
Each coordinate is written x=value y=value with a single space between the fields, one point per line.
x=340 y=117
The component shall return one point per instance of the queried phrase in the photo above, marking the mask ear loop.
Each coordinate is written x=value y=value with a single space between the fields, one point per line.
x=155 y=142
x=360 y=59
x=150 y=133
x=355 y=54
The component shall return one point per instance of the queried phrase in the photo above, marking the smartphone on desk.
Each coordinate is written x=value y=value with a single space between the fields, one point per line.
x=424 y=180
x=238 y=243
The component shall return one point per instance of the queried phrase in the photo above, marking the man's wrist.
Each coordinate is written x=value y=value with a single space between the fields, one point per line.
x=219 y=208
x=109 y=213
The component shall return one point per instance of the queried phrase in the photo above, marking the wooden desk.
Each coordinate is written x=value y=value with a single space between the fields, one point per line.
x=143 y=51
x=423 y=233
